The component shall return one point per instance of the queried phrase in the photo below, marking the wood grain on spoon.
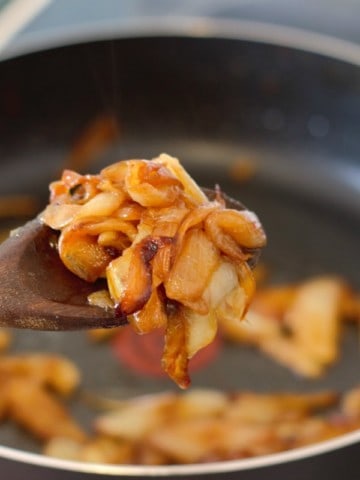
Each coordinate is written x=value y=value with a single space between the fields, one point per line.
x=38 y=292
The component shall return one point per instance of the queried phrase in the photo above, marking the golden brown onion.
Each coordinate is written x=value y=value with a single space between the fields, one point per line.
x=171 y=257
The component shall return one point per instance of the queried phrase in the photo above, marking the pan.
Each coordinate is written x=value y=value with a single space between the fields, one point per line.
x=285 y=102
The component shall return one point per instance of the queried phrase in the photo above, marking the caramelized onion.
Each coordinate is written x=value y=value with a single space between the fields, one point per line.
x=192 y=268
x=175 y=357
x=171 y=257
x=82 y=255
x=151 y=316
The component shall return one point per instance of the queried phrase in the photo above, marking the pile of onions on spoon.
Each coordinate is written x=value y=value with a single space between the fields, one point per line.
x=171 y=257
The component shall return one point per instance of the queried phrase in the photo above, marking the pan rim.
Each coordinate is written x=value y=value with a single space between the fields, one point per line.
x=202 y=28
x=296 y=454
x=188 y=27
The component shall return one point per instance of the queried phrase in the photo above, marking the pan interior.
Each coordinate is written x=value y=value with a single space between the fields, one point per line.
x=211 y=102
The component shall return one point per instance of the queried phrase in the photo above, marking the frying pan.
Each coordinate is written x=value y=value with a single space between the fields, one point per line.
x=288 y=105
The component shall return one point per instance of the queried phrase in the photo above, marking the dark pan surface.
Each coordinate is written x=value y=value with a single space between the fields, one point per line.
x=209 y=102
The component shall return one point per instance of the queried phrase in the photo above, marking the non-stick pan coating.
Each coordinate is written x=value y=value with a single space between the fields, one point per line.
x=210 y=102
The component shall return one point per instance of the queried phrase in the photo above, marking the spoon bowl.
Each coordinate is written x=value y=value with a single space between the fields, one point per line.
x=38 y=291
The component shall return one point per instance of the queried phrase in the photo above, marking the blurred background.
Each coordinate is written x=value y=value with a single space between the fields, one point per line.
x=51 y=18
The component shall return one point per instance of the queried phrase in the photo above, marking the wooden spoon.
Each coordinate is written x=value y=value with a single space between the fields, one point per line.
x=38 y=292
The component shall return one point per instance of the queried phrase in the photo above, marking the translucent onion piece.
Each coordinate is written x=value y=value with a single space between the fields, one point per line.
x=151 y=316
x=175 y=358
x=223 y=280
x=101 y=299
x=314 y=317
x=195 y=218
x=133 y=269
x=136 y=418
x=193 y=267
x=151 y=184
x=233 y=306
x=116 y=240
x=201 y=330
x=232 y=230
x=96 y=226
x=130 y=212
x=103 y=204
x=116 y=173
x=191 y=188
x=166 y=221
x=82 y=255
x=117 y=275
x=74 y=188
x=161 y=264
x=59 y=216
x=246 y=282
x=224 y=297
